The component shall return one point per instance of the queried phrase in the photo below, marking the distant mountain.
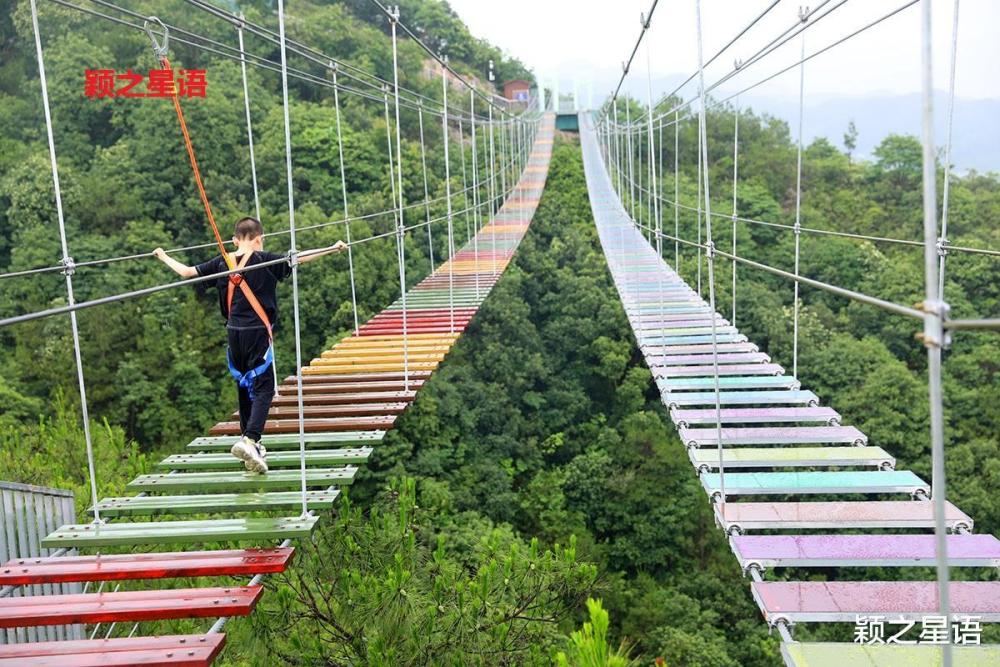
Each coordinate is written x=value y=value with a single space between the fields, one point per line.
x=976 y=134
x=975 y=145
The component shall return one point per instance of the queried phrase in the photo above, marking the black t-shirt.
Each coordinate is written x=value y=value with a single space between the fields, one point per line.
x=263 y=283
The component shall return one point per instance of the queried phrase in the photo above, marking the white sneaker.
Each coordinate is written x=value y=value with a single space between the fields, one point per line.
x=251 y=454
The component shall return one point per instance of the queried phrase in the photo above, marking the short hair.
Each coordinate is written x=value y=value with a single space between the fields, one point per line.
x=248 y=228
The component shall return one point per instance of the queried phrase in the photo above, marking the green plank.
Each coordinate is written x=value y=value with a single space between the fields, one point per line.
x=179 y=532
x=288 y=459
x=290 y=440
x=241 y=481
x=216 y=502
x=883 y=655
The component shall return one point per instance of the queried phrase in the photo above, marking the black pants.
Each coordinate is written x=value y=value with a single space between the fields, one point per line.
x=247 y=348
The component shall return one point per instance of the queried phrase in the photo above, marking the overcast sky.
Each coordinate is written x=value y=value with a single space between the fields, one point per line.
x=588 y=39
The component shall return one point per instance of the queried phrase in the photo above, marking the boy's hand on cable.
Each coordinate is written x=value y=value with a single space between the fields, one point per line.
x=339 y=246
x=160 y=254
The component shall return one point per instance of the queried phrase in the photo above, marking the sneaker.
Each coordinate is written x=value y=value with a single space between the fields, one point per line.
x=251 y=454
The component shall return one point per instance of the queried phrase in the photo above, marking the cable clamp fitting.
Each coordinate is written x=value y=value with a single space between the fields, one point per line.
x=293 y=257
x=69 y=266
x=160 y=48
x=797 y=229
x=240 y=21
x=942 y=246
x=393 y=13
x=803 y=14
x=710 y=250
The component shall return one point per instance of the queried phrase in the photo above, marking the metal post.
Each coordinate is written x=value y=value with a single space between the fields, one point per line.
x=427 y=197
x=447 y=190
x=935 y=310
x=942 y=251
x=701 y=170
x=631 y=177
x=710 y=259
x=343 y=194
x=803 y=17
x=465 y=182
x=475 y=184
x=67 y=262
x=246 y=108
x=293 y=257
x=400 y=223
x=652 y=149
x=736 y=171
x=493 y=193
x=677 y=193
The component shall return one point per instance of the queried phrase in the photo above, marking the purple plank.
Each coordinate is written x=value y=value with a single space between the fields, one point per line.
x=838 y=515
x=773 y=435
x=863 y=550
x=754 y=415
x=698 y=348
x=842 y=601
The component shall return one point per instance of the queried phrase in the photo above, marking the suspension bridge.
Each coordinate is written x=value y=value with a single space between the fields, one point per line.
x=749 y=428
x=763 y=447
x=327 y=416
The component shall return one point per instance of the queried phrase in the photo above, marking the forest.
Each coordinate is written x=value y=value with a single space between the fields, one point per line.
x=537 y=473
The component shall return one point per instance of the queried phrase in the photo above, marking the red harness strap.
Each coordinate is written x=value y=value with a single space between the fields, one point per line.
x=235 y=280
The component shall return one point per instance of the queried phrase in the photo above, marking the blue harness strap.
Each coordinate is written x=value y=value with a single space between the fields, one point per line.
x=246 y=380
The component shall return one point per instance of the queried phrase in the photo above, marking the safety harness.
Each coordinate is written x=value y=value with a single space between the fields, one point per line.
x=246 y=380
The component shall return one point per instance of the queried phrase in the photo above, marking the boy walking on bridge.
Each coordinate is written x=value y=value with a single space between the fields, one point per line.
x=249 y=305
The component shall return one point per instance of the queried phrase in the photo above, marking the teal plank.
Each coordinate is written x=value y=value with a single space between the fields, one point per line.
x=179 y=532
x=225 y=461
x=211 y=503
x=792 y=397
x=673 y=384
x=862 y=481
x=241 y=481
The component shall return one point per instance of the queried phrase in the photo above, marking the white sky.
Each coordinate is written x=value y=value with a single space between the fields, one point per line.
x=588 y=39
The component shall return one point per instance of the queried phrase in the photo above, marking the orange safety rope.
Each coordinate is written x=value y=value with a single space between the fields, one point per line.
x=165 y=63
x=234 y=279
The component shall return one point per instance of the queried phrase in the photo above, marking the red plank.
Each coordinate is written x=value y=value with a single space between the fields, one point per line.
x=128 y=606
x=398 y=329
x=168 y=651
x=25 y=571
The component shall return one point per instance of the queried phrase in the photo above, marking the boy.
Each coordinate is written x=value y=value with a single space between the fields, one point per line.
x=250 y=318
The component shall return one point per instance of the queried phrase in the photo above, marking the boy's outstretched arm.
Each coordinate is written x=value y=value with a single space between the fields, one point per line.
x=183 y=270
x=339 y=246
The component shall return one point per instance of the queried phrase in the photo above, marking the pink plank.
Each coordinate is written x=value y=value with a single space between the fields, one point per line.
x=844 y=514
x=844 y=550
x=834 y=601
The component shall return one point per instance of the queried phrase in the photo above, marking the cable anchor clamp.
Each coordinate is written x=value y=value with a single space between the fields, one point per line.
x=240 y=21
x=803 y=13
x=293 y=257
x=797 y=228
x=159 y=48
x=942 y=246
x=69 y=266
x=393 y=13
x=710 y=250
x=737 y=64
